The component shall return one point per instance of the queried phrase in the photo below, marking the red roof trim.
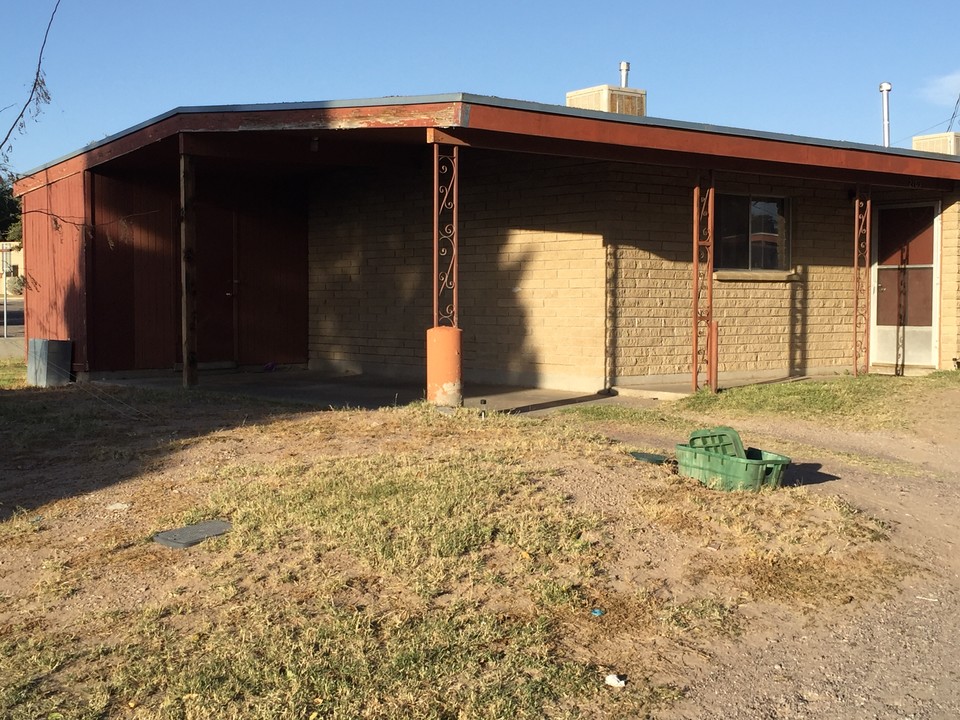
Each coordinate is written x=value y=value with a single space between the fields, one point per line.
x=518 y=121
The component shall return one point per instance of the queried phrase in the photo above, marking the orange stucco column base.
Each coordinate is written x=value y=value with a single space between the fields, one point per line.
x=444 y=382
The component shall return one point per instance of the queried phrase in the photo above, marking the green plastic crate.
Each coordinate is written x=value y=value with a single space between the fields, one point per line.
x=723 y=439
x=725 y=472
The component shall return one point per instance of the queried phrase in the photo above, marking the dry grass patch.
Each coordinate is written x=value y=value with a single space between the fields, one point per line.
x=13 y=374
x=786 y=545
x=391 y=564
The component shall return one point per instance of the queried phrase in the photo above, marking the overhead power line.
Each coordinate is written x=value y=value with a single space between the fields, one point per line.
x=956 y=109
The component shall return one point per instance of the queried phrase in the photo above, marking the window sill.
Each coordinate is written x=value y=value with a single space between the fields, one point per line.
x=756 y=275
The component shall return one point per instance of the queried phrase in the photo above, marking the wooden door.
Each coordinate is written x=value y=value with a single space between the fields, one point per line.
x=216 y=315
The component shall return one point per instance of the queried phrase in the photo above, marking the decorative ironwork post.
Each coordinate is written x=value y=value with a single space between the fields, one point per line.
x=704 y=328
x=444 y=339
x=446 y=300
x=861 y=282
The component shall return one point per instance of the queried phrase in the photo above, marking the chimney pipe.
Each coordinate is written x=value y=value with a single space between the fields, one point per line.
x=885 y=89
x=624 y=71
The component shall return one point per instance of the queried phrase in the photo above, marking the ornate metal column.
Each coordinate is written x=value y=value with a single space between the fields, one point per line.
x=704 y=327
x=444 y=339
x=861 y=282
x=900 y=361
x=446 y=301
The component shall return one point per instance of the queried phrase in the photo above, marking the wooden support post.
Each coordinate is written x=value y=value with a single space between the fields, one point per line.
x=188 y=266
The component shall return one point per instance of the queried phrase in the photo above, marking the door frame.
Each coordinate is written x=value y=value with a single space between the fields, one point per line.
x=874 y=268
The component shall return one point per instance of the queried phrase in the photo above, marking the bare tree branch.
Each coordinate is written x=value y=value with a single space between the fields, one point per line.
x=38 y=91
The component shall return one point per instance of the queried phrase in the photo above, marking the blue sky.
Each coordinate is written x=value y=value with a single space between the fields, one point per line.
x=805 y=68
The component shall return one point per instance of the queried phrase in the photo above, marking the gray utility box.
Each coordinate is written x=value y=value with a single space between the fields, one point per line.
x=48 y=362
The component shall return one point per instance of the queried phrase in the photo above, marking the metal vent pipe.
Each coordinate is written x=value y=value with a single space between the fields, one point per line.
x=624 y=71
x=885 y=89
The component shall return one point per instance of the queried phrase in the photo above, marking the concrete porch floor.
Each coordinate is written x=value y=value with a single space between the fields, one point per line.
x=322 y=391
x=674 y=390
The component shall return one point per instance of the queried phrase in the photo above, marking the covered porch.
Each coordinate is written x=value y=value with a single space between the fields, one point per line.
x=565 y=249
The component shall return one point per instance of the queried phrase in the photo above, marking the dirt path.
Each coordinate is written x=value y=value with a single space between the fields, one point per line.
x=894 y=659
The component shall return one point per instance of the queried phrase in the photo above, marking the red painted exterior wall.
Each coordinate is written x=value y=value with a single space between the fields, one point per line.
x=134 y=295
x=251 y=270
x=54 y=232
x=272 y=275
x=102 y=255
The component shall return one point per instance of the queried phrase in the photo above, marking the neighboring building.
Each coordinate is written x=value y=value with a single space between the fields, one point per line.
x=11 y=265
x=590 y=245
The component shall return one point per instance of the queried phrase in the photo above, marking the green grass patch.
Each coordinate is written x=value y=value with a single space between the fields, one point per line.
x=873 y=401
x=876 y=400
x=13 y=374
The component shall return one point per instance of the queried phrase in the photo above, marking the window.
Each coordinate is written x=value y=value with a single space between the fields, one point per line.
x=751 y=233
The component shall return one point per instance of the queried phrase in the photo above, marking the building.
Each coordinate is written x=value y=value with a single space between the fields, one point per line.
x=573 y=248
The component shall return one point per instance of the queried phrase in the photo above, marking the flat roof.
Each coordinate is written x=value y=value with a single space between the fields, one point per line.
x=468 y=99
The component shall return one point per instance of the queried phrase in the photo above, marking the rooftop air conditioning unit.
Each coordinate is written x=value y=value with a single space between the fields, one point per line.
x=947 y=143
x=609 y=98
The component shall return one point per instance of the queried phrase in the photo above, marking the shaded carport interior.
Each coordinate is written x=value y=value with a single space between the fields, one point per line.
x=251 y=218
x=252 y=164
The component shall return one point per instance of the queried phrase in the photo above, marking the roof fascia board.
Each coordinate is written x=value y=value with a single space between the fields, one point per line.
x=491 y=140
x=701 y=140
x=470 y=111
x=695 y=127
x=443 y=111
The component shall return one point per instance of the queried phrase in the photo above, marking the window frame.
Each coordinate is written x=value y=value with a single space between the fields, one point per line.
x=784 y=264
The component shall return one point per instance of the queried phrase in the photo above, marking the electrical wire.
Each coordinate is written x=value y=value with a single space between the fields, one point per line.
x=956 y=109
x=921 y=132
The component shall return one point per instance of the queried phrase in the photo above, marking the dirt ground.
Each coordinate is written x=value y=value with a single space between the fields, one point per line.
x=895 y=659
x=892 y=658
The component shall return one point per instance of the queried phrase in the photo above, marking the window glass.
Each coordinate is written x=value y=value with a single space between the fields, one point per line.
x=767 y=235
x=732 y=230
x=750 y=233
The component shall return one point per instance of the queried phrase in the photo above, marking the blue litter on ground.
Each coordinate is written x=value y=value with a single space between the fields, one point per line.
x=652 y=458
x=190 y=535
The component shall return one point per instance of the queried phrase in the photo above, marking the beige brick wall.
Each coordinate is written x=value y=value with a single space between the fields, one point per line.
x=950 y=281
x=370 y=284
x=794 y=326
x=649 y=242
x=531 y=272
x=576 y=274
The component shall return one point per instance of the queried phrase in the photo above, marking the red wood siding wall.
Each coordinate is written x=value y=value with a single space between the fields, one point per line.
x=251 y=270
x=54 y=247
x=272 y=275
x=134 y=295
x=122 y=264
